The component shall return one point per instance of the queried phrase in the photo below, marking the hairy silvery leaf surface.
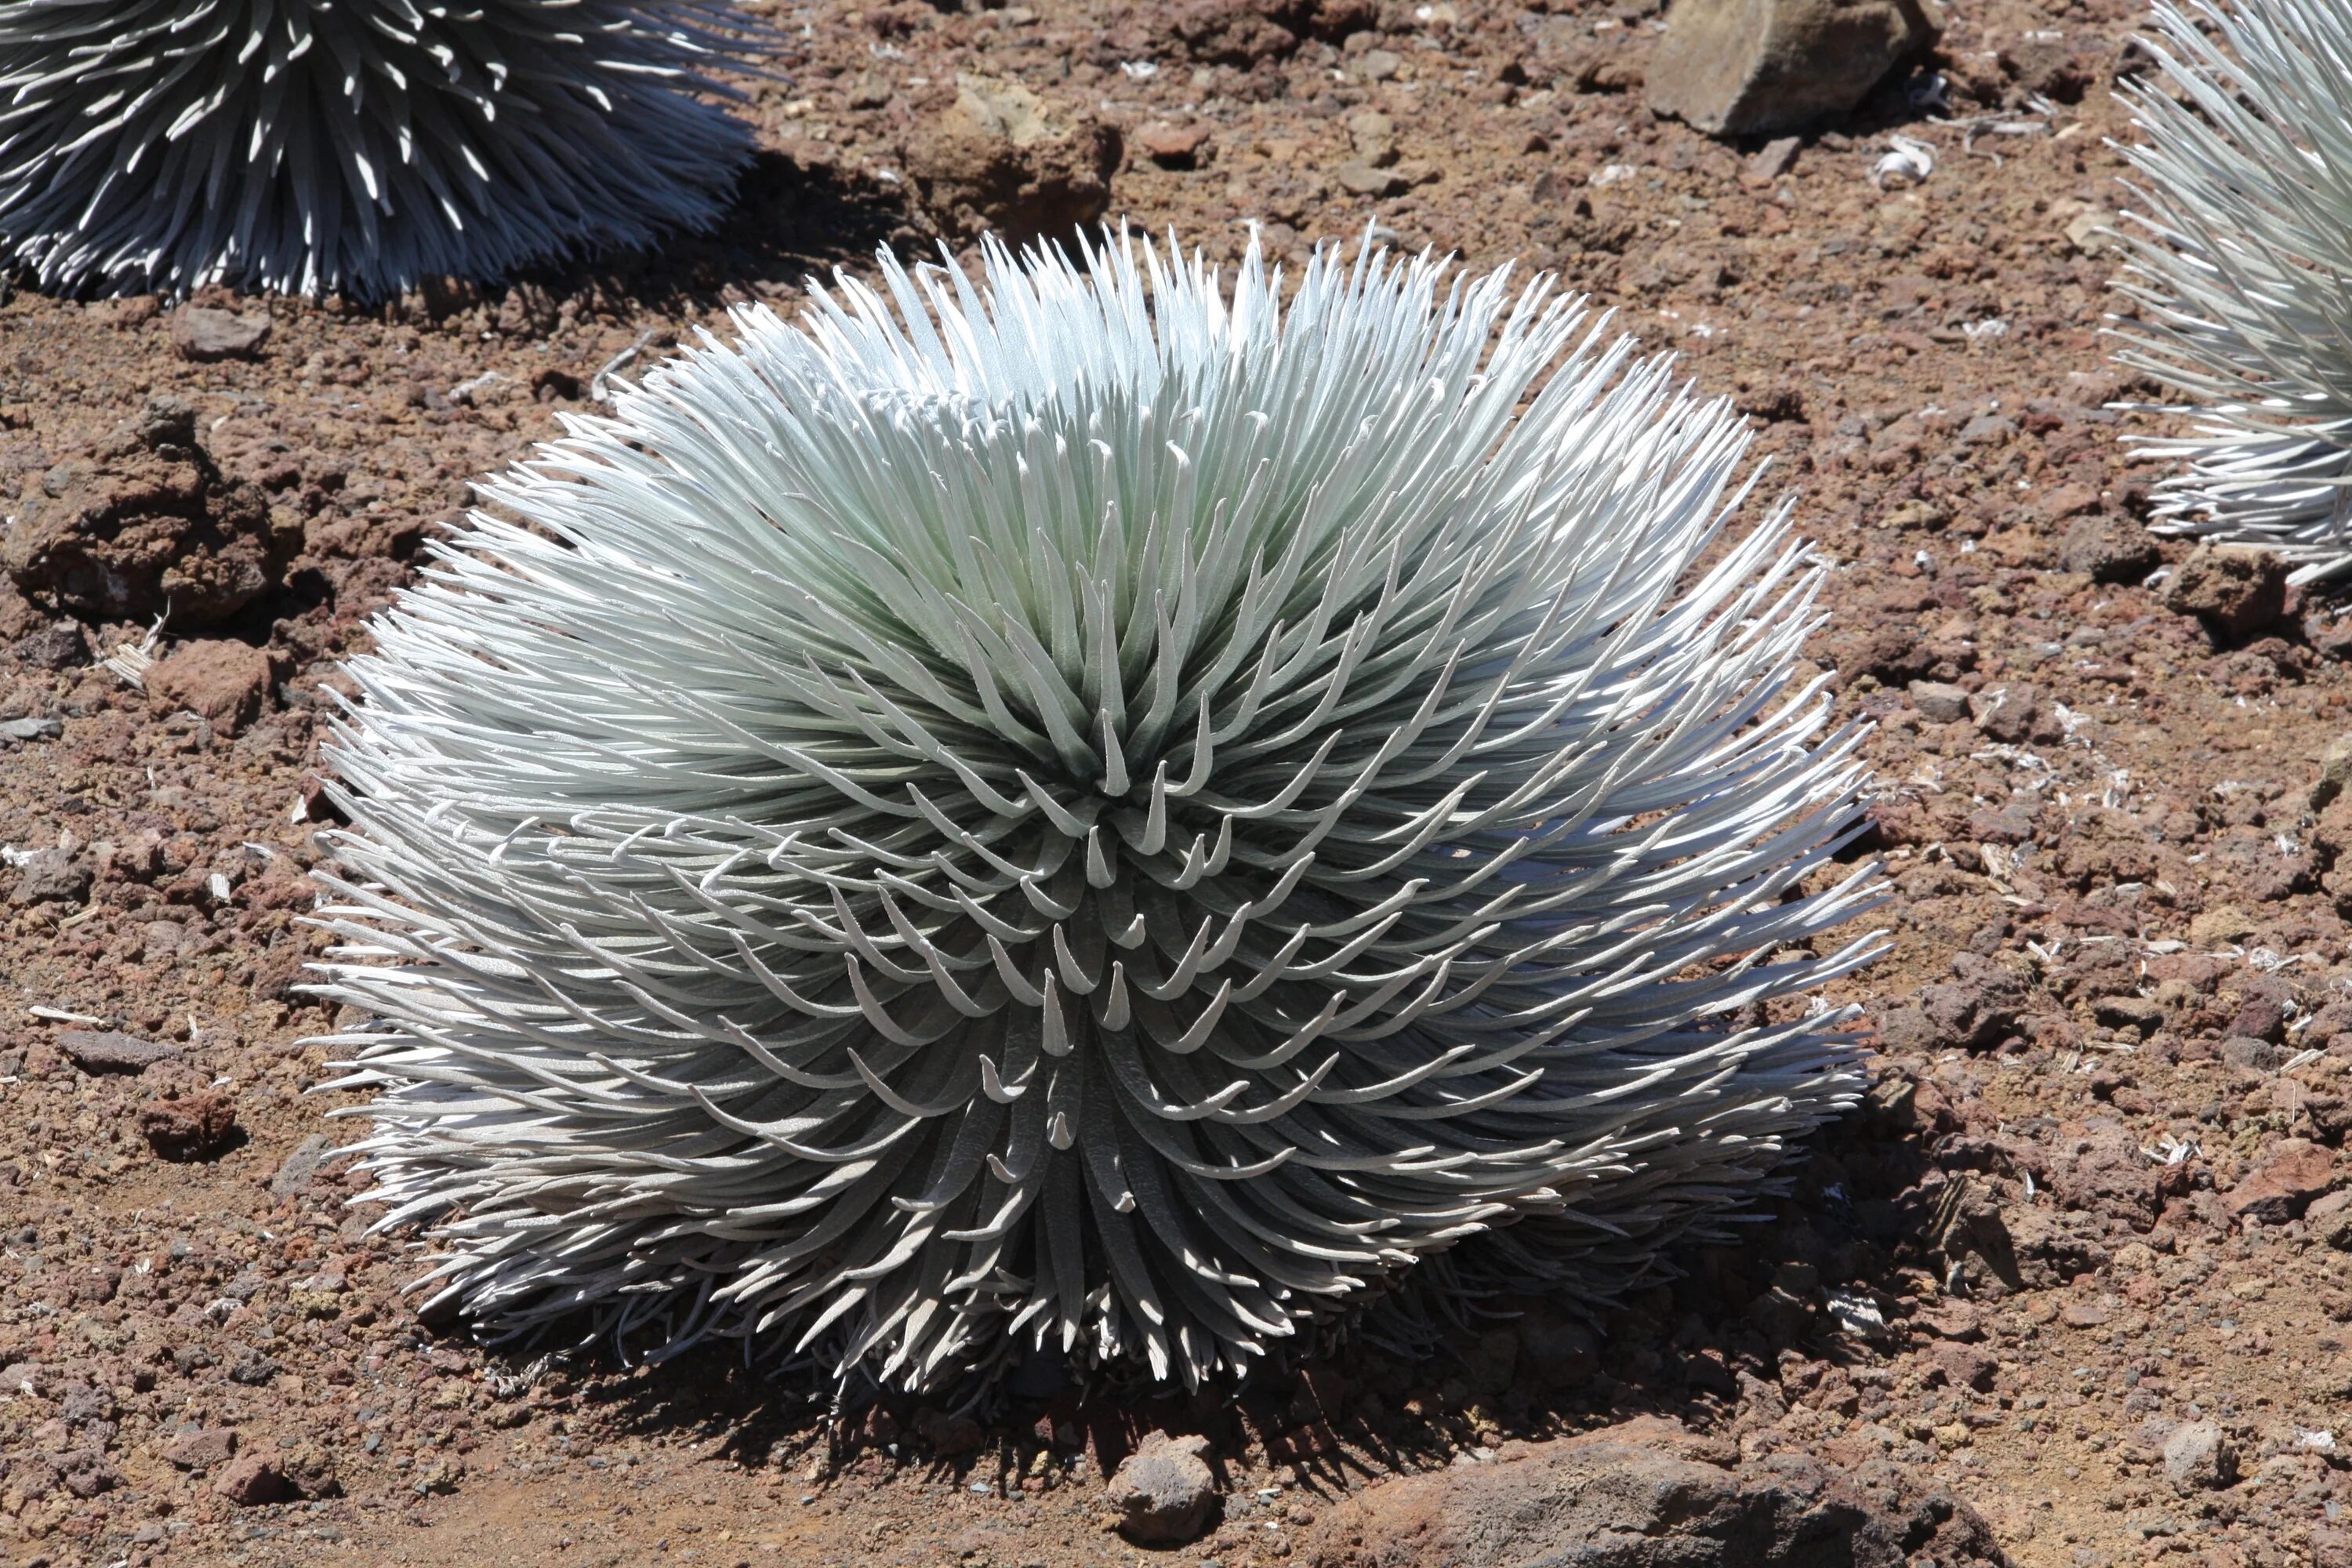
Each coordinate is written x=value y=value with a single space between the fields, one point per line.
x=353 y=146
x=2241 y=261
x=1093 y=813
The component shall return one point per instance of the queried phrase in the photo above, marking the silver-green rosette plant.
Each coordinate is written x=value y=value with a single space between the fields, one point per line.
x=1079 y=812
x=2241 y=261
x=359 y=147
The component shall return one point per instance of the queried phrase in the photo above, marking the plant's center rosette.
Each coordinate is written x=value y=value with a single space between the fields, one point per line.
x=359 y=147
x=1076 y=812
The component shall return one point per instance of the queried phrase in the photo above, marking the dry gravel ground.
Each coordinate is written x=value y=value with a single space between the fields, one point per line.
x=2093 y=1199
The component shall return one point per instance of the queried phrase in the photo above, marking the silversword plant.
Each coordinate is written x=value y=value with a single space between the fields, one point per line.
x=1079 y=812
x=2240 y=262
x=360 y=146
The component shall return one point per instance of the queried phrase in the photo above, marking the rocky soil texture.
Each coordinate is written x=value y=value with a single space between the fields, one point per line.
x=2073 y=1288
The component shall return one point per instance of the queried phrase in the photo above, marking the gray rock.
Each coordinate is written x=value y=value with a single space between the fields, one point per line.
x=1646 y=1494
x=294 y=1176
x=52 y=876
x=113 y=1051
x=1163 y=1491
x=1940 y=703
x=204 y=335
x=2199 y=1455
x=1751 y=67
x=60 y=644
x=2246 y=1051
x=22 y=729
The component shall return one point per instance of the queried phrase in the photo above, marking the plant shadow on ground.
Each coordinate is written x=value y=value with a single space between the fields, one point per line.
x=1780 y=1306
x=790 y=220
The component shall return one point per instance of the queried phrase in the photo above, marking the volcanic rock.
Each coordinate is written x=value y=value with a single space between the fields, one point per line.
x=1163 y=1490
x=226 y=680
x=1753 y=67
x=111 y=1050
x=145 y=522
x=2237 y=590
x=1646 y=1494
x=204 y=334
x=1001 y=157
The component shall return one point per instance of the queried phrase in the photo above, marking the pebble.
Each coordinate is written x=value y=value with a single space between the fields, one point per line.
x=2199 y=1455
x=204 y=334
x=1755 y=68
x=2236 y=590
x=1161 y=1492
x=111 y=1050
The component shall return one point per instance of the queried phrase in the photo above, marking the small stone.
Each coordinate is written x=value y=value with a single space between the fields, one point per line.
x=226 y=680
x=113 y=1051
x=2222 y=923
x=1363 y=179
x=1373 y=136
x=1173 y=146
x=202 y=1450
x=53 y=876
x=196 y=1128
x=1920 y=515
x=86 y=1473
x=204 y=335
x=2294 y=1172
x=1940 y=703
x=250 y=1482
x=2092 y=231
x=1752 y=68
x=2107 y=549
x=1163 y=1490
x=2251 y=1052
x=1000 y=157
x=1774 y=158
x=294 y=1174
x=1376 y=65
x=2237 y=590
x=2064 y=502
x=950 y=1436
x=2334 y=768
x=21 y=730
x=60 y=644
x=1964 y=1365
x=2018 y=714
x=2200 y=1454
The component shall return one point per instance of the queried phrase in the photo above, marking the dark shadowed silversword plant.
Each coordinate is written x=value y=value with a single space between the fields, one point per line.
x=359 y=147
x=1081 y=812
x=2241 y=261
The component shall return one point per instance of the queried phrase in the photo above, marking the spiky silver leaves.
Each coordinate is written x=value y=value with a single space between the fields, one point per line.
x=1068 y=811
x=360 y=146
x=2240 y=261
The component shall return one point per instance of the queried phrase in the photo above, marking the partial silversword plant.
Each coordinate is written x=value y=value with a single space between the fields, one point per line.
x=1086 y=813
x=2239 y=251
x=353 y=146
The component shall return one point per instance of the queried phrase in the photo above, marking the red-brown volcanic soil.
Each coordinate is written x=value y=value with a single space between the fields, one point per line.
x=2116 y=939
